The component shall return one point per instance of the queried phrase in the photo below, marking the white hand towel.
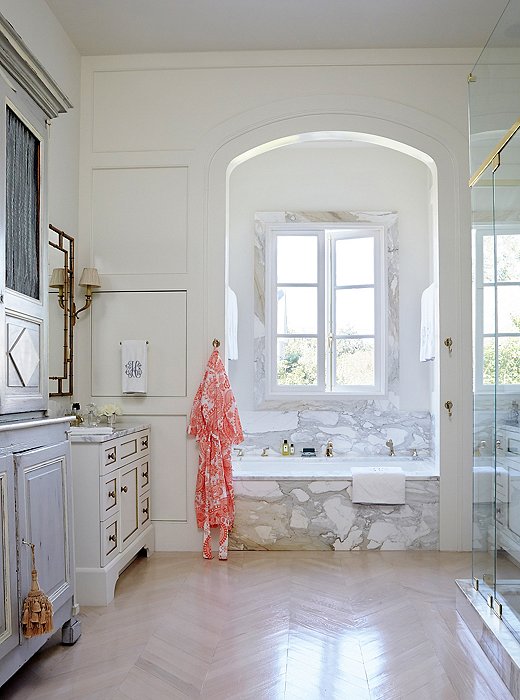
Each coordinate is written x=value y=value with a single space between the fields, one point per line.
x=134 y=366
x=428 y=325
x=382 y=485
x=232 y=324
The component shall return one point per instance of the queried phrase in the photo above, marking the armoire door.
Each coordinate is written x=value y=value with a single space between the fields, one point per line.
x=45 y=519
x=9 y=627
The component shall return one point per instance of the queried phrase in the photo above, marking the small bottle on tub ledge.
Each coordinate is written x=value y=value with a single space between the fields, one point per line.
x=285 y=448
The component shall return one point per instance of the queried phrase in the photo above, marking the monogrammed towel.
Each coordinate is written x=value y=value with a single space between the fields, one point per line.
x=134 y=366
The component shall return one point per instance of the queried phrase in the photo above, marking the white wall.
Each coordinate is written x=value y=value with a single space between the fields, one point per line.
x=182 y=119
x=335 y=178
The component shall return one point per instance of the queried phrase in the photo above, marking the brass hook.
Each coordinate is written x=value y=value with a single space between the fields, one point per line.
x=448 y=406
x=449 y=344
x=216 y=343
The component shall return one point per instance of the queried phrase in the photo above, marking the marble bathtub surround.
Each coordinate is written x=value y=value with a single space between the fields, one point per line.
x=320 y=515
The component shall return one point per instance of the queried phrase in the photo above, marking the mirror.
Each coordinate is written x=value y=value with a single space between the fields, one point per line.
x=61 y=312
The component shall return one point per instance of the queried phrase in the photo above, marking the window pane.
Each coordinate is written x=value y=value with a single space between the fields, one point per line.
x=488 y=365
x=297 y=310
x=297 y=361
x=297 y=259
x=22 y=220
x=508 y=258
x=509 y=360
x=355 y=362
x=488 y=320
x=508 y=301
x=355 y=312
x=354 y=261
x=488 y=257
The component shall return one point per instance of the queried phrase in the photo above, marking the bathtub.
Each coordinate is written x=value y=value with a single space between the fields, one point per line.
x=276 y=467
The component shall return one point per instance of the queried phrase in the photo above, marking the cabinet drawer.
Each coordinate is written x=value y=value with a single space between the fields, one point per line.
x=110 y=457
x=144 y=475
x=144 y=443
x=144 y=510
x=109 y=540
x=109 y=495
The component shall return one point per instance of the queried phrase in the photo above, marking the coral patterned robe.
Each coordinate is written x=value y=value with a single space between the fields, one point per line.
x=215 y=423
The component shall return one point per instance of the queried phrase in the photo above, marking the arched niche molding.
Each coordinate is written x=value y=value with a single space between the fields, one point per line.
x=444 y=150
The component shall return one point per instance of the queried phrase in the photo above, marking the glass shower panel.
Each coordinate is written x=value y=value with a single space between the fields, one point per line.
x=507 y=379
x=494 y=98
x=484 y=306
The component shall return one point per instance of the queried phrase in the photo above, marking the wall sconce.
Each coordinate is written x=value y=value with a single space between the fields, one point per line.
x=89 y=280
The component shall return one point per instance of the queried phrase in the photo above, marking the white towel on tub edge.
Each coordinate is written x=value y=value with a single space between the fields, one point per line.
x=379 y=485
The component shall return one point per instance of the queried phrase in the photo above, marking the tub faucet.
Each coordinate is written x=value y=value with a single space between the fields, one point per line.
x=265 y=452
x=390 y=445
x=239 y=451
x=329 y=449
x=415 y=454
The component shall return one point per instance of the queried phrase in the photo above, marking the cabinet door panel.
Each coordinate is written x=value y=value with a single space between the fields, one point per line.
x=129 y=503
x=44 y=517
x=9 y=628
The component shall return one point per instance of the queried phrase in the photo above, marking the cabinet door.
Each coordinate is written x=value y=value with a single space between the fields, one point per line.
x=23 y=238
x=129 y=503
x=9 y=628
x=44 y=513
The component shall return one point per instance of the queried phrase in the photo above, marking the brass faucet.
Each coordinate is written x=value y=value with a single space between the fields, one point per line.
x=390 y=445
x=265 y=452
x=329 y=449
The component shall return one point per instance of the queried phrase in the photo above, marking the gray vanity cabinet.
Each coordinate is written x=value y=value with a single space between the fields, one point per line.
x=8 y=600
x=35 y=506
x=44 y=514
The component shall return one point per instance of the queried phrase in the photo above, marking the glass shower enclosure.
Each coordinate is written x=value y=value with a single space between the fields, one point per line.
x=494 y=112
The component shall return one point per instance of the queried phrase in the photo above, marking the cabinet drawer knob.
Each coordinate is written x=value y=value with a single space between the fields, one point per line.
x=144 y=475
x=145 y=510
x=112 y=538
x=111 y=456
x=144 y=443
x=124 y=489
x=111 y=494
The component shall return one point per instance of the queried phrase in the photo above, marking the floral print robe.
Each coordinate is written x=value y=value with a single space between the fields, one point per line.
x=215 y=423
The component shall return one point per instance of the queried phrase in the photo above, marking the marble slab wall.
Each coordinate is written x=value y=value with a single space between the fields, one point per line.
x=357 y=425
x=320 y=515
x=361 y=429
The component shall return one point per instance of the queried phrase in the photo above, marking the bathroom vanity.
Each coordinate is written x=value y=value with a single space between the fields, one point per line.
x=112 y=516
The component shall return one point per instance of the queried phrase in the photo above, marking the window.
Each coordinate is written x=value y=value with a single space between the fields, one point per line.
x=325 y=309
x=497 y=306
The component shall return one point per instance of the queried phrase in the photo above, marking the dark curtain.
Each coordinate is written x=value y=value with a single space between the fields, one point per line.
x=22 y=208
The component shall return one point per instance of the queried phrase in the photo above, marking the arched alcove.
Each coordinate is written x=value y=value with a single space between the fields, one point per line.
x=438 y=145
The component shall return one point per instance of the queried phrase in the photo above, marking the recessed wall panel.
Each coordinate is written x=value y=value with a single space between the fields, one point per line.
x=170 y=499
x=159 y=318
x=139 y=220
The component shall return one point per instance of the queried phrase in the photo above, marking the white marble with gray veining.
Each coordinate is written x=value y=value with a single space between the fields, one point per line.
x=120 y=430
x=320 y=515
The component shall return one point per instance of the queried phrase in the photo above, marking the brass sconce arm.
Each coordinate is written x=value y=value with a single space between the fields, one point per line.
x=89 y=280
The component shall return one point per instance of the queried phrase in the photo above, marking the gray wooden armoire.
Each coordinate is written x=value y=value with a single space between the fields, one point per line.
x=35 y=482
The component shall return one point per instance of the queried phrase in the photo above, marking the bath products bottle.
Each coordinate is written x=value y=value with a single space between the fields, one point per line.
x=291 y=449
x=285 y=448
x=78 y=420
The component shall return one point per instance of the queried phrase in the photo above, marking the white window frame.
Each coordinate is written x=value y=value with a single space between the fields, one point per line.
x=327 y=234
x=481 y=231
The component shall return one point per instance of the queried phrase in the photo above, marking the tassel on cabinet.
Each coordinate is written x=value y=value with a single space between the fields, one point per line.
x=37 y=608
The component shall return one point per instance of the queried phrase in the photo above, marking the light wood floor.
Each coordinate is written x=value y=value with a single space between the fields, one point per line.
x=293 y=625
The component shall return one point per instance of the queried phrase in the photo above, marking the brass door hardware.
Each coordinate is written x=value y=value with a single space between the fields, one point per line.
x=112 y=538
x=449 y=344
x=111 y=494
x=124 y=489
x=448 y=406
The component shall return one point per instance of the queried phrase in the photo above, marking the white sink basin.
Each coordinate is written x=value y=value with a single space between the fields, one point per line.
x=91 y=430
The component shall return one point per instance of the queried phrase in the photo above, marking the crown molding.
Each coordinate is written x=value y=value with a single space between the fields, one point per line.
x=21 y=64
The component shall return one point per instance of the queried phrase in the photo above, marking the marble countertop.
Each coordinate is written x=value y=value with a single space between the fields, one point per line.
x=120 y=430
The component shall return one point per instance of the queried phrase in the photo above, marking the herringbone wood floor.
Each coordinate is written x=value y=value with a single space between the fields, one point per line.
x=293 y=625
